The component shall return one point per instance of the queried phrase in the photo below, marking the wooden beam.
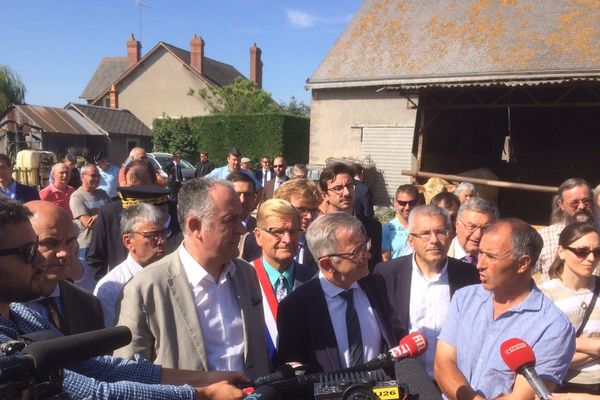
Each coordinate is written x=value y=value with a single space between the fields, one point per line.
x=487 y=182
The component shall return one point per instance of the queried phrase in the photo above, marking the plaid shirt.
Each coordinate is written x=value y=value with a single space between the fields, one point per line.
x=550 y=236
x=102 y=377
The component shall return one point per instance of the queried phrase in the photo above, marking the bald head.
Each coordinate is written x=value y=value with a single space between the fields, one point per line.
x=137 y=153
x=57 y=236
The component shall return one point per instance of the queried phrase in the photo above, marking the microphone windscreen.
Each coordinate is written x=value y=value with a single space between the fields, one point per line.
x=410 y=372
x=415 y=343
x=64 y=351
x=516 y=353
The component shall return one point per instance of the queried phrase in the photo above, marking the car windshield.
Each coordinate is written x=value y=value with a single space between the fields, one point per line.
x=165 y=161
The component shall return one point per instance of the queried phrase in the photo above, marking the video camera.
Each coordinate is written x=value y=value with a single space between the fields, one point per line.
x=32 y=367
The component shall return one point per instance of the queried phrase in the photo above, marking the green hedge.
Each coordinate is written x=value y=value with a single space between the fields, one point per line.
x=254 y=134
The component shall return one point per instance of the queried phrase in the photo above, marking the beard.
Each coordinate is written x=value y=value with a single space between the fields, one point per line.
x=11 y=291
x=580 y=216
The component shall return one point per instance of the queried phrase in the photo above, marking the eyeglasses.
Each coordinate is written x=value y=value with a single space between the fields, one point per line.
x=584 y=252
x=155 y=235
x=440 y=234
x=280 y=232
x=574 y=205
x=305 y=211
x=473 y=227
x=278 y=166
x=27 y=251
x=339 y=189
x=403 y=203
x=356 y=253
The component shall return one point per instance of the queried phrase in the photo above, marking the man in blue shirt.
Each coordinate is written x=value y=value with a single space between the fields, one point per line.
x=22 y=268
x=109 y=177
x=506 y=305
x=233 y=165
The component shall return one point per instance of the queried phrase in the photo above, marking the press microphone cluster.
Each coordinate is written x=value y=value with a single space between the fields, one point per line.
x=284 y=381
x=519 y=357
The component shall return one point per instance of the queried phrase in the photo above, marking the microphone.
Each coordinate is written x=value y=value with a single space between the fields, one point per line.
x=284 y=371
x=410 y=346
x=262 y=393
x=519 y=357
x=66 y=350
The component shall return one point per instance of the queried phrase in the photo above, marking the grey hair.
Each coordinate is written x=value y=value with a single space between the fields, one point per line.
x=480 y=205
x=525 y=240
x=558 y=215
x=464 y=186
x=300 y=168
x=429 y=211
x=195 y=199
x=322 y=234
x=140 y=213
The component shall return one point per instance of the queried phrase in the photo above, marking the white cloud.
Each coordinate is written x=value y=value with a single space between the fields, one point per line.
x=300 y=19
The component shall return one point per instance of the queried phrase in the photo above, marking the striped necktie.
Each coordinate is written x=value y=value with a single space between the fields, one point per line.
x=355 y=344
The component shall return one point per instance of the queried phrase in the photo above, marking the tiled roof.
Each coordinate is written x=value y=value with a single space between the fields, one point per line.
x=113 y=69
x=403 y=41
x=108 y=71
x=113 y=121
x=54 y=120
x=219 y=73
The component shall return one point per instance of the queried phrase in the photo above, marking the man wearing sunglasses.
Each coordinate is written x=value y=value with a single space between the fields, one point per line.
x=337 y=186
x=394 y=237
x=574 y=203
x=22 y=270
x=70 y=308
x=474 y=215
x=145 y=237
x=339 y=319
x=280 y=177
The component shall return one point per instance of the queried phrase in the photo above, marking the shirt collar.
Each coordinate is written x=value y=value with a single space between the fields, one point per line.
x=196 y=272
x=533 y=302
x=436 y=277
x=330 y=289
x=274 y=274
x=459 y=252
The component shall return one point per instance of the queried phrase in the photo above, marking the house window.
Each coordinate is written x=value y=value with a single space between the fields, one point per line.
x=106 y=102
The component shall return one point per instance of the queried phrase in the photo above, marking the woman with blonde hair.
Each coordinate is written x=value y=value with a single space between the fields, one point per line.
x=574 y=288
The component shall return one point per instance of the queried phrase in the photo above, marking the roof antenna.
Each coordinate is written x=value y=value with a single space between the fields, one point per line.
x=141 y=5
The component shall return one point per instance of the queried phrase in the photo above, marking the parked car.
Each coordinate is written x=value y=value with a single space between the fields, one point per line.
x=163 y=163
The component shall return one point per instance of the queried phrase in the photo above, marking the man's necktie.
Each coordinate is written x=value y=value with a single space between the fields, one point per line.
x=55 y=319
x=281 y=289
x=265 y=175
x=470 y=259
x=178 y=172
x=355 y=344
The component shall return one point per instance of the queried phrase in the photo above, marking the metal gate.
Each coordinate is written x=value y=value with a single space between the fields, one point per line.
x=390 y=149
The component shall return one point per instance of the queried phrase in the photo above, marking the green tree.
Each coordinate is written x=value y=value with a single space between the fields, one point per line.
x=12 y=89
x=241 y=97
x=296 y=107
x=174 y=135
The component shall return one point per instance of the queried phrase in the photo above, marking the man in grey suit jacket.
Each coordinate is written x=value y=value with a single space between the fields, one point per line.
x=199 y=307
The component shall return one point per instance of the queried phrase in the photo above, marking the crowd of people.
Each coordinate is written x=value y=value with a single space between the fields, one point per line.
x=226 y=276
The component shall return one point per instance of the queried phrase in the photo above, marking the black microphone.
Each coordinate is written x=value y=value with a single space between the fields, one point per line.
x=67 y=350
x=519 y=357
x=284 y=371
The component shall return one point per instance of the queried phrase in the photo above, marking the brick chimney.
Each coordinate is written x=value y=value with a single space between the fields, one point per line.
x=113 y=98
x=197 y=54
x=256 y=66
x=134 y=50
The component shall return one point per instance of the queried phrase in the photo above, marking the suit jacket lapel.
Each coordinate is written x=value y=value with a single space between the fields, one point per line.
x=379 y=312
x=184 y=305
x=243 y=299
x=404 y=280
x=325 y=334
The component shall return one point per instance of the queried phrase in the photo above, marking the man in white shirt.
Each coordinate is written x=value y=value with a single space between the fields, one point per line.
x=145 y=237
x=200 y=307
x=420 y=286
x=474 y=215
x=339 y=319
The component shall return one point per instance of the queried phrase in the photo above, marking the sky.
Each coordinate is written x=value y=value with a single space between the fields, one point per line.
x=56 y=45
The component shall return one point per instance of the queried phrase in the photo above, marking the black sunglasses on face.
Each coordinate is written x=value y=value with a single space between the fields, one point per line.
x=27 y=251
x=584 y=252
